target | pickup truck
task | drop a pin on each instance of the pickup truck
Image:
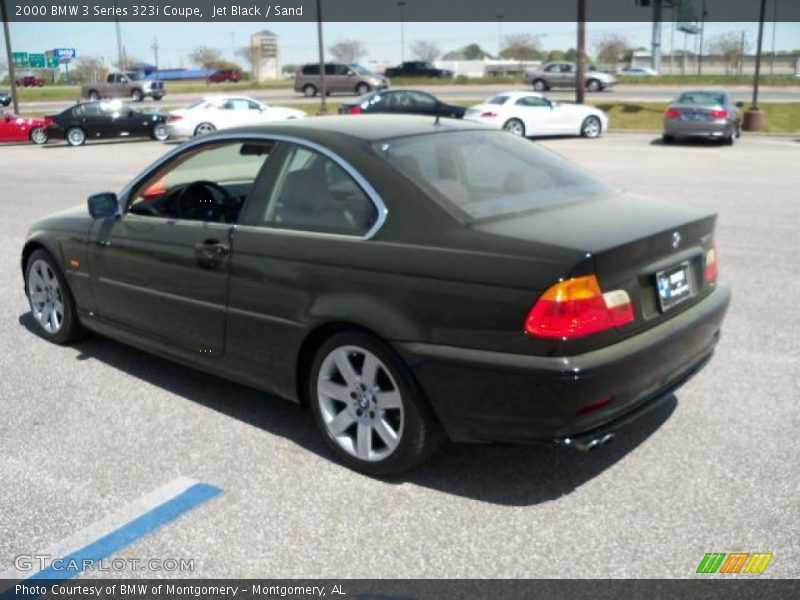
(417, 68)
(30, 81)
(565, 75)
(124, 85)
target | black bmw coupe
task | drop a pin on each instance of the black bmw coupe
(88, 121)
(408, 280)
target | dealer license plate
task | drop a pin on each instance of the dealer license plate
(674, 286)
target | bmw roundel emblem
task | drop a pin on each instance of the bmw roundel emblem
(676, 240)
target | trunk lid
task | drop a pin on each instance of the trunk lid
(627, 240)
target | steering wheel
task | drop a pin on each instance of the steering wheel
(215, 211)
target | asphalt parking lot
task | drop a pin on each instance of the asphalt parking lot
(88, 429)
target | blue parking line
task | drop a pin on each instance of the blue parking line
(127, 534)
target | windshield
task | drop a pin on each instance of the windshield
(702, 98)
(134, 76)
(489, 174)
(360, 69)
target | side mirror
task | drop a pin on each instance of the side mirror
(103, 205)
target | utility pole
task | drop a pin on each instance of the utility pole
(703, 14)
(655, 59)
(323, 107)
(120, 63)
(754, 119)
(580, 81)
(10, 57)
(402, 33)
(499, 35)
(155, 50)
(774, 26)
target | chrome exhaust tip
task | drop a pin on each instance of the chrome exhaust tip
(586, 445)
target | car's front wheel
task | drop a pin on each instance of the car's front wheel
(591, 127)
(515, 126)
(368, 406)
(539, 85)
(52, 305)
(93, 96)
(593, 85)
(39, 136)
(136, 95)
(362, 88)
(76, 136)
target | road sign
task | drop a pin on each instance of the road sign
(52, 62)
(20, 59)
(36, 61)
(269, 47)
(65, 54)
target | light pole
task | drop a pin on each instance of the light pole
(580, 83)
(10, 57)
(499, 35)
(323, 107)
(120, 58)
(402, 33)
(703, 15)
(774, 26)
(754, 119)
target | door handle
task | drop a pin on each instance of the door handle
(210, 253)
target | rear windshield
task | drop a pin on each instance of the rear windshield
(489, 174)
(702, 98)
(498, 100)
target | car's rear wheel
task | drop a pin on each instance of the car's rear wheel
(591, 127)
(39, 136)
(362, 88)
(667, 139)
(729, 140)
(309, 91)
(160, 132)
(515, 126)
(51, 302)
(539, 85)
(136, 95)
(368, 406)
(204, 129)
(93, 95)
(76, 136)
(594, 85)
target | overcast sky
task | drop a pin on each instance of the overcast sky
(382, 40)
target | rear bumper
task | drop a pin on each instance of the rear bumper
(482, 396)
(713, 129)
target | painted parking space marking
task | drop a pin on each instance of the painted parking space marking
(113, 533)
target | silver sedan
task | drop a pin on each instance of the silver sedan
(702, 114)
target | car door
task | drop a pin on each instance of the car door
(536, 113)
(160, 269)
(569, 75)
(421, 103)
(91, 119)
(308, 210)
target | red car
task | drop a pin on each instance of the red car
(227, 75)
(18, 129)
(30, 81)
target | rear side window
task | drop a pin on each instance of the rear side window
(311, 70)
(498, 100)
(311, 192)
(489, 174)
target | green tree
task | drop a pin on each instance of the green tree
(206, 57)
(523, 46)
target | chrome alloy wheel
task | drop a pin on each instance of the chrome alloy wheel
(360, 403)
(591, 127)
(515, 126)
(46, 298)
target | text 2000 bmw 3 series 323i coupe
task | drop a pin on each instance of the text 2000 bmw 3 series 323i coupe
(407, 280)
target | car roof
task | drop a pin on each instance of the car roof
(518, 94)
(369, 128)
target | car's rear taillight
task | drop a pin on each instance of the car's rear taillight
(718, 114)
(488, 113)
(711, 265)
(672, 113)
(354, 110)
(175, 117)
(577, 307)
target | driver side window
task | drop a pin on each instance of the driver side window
(209, 183)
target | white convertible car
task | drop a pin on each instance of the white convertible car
(531, 114)
(222, 112)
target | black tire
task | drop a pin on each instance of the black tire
(591, 127)
(540, 85)
(594, 85)
(309, 90)
(71, 328)
(515, 127)
(137, 95)
(204, 128)
(76, 136)
(420, 435)
(160, 133)
(729, 140)
(93, 96)
(158, 97)
(38, 136)
(363, 88)
(667, 139)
